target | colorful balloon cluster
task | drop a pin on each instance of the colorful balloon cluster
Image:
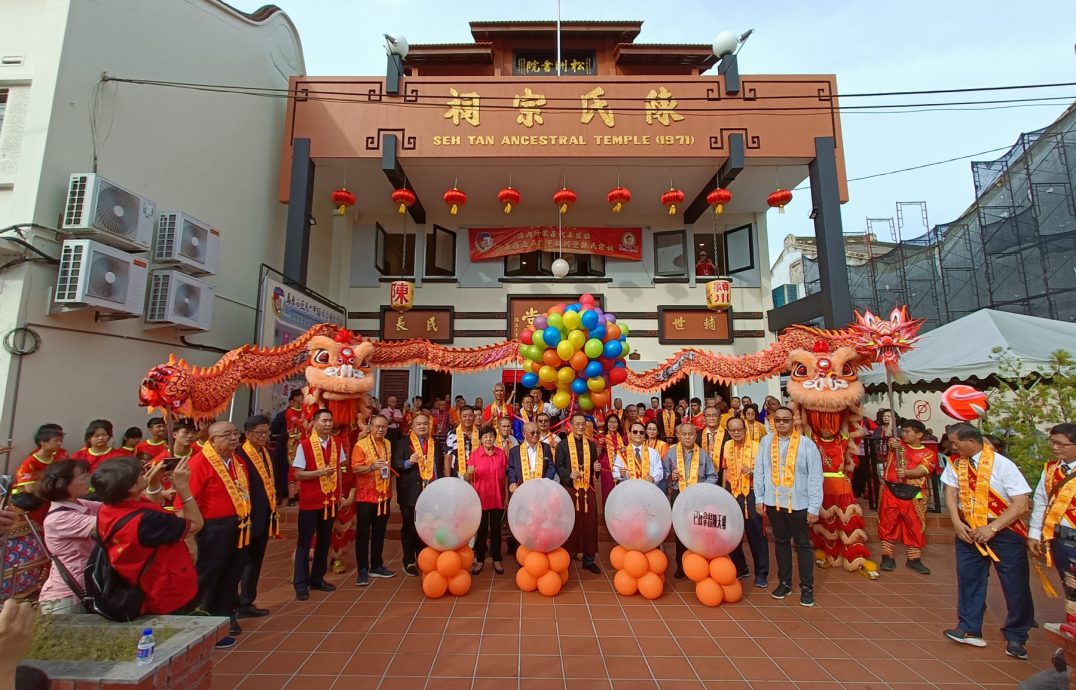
(638, 572)
(715, 578)
(445, 571)
(545, 572)
(575, 349)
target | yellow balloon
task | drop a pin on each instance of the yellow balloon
(547, 374)
(577, 338)
(566, 375)
(561, 399)
(565, 349)
(596, 384)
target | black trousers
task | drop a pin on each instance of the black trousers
(219, 566)
(489, 529)
(409, 538)
(756, 539)
(789, 527)
(370, 535)
(312, 523)
(252, 570)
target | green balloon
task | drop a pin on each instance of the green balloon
(538, 340)
(523, 350)
(624, 330)
(535, 353)
(585, 403)
(441, 535)
(593, 348)
(624, 349)
(555, 320)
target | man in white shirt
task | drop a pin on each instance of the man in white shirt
(988, 526)
(637, 460)
(1055, 507)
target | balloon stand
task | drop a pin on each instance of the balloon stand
(638, 572)
(545, 572)
(445, 572)
(715, 579)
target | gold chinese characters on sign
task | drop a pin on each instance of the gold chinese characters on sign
(427, 323)
(694, 325)
(543, 63)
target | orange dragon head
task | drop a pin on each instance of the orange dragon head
(339, 367)
(167, 387)
(826, 385)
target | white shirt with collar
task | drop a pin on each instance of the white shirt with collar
(299, 462)
(656, 471)
(1038, 510)
(1005, 478)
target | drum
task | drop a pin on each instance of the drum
(25, 562)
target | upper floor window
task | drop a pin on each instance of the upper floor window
(395, 252)
(540, 264)
(670, 252)
(725, 254)
(3, 107)
(440, 252)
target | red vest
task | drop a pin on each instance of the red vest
(170, 581)
(310, 494)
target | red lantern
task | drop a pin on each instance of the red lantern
(564, 198)
(671, 198)
(509, 196)
(342, 199)
(718, 198)
(455, 198)
(779, 199)
(404, 197)
(618, 196)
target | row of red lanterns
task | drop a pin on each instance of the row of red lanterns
(509, 197)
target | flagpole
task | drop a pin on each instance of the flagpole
(558, 38)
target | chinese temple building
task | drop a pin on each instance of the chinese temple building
(469, 170)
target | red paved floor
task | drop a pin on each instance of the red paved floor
(861, 634)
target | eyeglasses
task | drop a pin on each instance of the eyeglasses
(1060, 444)
(531, 433)
(227, 434)
(782, 420)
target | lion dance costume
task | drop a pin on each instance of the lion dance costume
(826, 395)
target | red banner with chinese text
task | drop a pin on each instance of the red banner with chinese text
(618, 243)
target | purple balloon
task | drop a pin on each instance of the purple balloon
(599, 310)
(540, 323)
(610, 318)
(601, 320)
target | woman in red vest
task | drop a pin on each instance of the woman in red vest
(136, 529)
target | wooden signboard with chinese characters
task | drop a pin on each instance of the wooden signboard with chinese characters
(534, 63)
(436, 324)
(522, 309)
(694, 326)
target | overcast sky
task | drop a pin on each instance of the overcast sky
(870, 46)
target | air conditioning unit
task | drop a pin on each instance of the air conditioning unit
(99, 276)
(185, 241)
(107, 212)
(178, 299)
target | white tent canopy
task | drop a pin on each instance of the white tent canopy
(961, 350)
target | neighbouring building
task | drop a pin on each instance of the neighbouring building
(786, 274)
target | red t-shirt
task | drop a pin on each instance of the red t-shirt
(208, 490)
(366, 482)
(505, 410)
(31, 469)
(94, 460)
(170, 581)
(916, 457)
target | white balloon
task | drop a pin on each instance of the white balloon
(638, 515)
(560, 268)
(447, 513)
(708, 520)
(541, 515)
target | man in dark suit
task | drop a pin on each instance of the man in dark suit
(418, 461)
(531, 459)
(264, 495)
(579, 470)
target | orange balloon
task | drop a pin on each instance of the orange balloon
(460, 584)
(579, 361)
(526, 581)
(651, 586)
(434, 585)
(612, 332)
(696, 567)
(599, 398)
(551, 358)
(537, 564)
(427, 559)
(559, 560)
(563, 577)
(625, 584)
(521, 554)
(557, 308)
(708, 591)
(448, 564)
(550, 584)
(733, 592)
(635, 564)
(658, 561)
(616, 557)
(723, 570)
(466, 556)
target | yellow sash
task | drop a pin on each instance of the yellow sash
(264, 466)
(328, 482)
(787, 477)
(238, 489)
(461, 448)
(685, 479)
(525, 463)
(582, 482)
(425, 462)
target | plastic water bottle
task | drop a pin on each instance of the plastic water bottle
(146, 645)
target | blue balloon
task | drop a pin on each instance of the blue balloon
(594, 368)
(551, 336)
(529, 380)
(590, 319)
(579, 386)
(598, 332)
(619, 364)
(573, 307)
(613, 349)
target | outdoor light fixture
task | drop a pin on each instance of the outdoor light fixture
(396, 45)
(813, 214)
(728, 43)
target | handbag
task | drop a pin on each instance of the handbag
(65, 574)
(904, 492)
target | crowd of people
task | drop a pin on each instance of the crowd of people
(189, 522)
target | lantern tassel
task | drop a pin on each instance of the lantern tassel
(403, 209)
(781, 209)
(617, 207)
(719, 210)
(672, 209)
(341, 210)
(563, 209)
(454, 209)
(507, 209)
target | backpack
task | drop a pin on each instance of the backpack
(107, 592)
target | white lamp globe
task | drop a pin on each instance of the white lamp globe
(725, 43)
(560, 268)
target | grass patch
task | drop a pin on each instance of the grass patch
(54, 641)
